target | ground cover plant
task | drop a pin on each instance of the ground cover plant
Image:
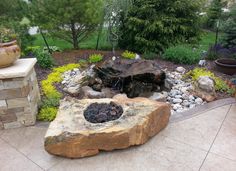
(128, 55)
(52, 96)
(94, 58)
(221, 85)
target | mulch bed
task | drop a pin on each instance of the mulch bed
(74, 56)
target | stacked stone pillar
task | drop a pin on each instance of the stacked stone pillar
(19, 94)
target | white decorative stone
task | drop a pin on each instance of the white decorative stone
(177, 101)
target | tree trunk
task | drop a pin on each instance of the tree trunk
(74, 36)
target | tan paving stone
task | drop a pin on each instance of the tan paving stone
(225, 143)
(216, 163)
(162, 154)
(198, 131)
(12, 160)
(29, 141)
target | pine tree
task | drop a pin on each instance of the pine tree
(214, 12)
(153, 25)
(230, 29)
(70, 20)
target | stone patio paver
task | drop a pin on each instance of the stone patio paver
(217, 163)
(30, 142)
(206, 142)
(225, 143)
(12, 160)
(198, 131)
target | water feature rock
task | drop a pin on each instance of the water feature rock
(132, 77)
(70, 135)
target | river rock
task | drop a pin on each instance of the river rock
(161, 97)
(70, 135)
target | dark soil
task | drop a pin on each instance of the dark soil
(103, 112)
(74, 56)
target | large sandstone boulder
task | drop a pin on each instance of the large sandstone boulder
(70, 135)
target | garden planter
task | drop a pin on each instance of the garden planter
(9, 53)
(226, 66)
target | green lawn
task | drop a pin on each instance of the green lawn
(208, 38)
(89, 43)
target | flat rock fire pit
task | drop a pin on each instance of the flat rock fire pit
(73, 135)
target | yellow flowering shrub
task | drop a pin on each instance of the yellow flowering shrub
(221, 85)
(52, 96)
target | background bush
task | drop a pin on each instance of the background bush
(128, 55)
(219, 51)
(229, 29)
(149, 55)
(182, 54)
(95, 58)
(44, 59)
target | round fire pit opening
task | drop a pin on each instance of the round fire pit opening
(103, 112)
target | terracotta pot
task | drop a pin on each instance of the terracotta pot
(226, 66)
(9, 53)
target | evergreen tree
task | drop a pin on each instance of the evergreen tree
(70, 20)
(153, 25)
(214, 12)
(230, 29)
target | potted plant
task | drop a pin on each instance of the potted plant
(9, 50)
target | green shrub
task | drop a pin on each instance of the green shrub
(221, 85)
(182, 54)
(44, 59)
(128, 55)
(52, 48)
(47, 114)
(229, 29)
(95, 58)
(52, 96)
(154, 25)
(31, 49)
(149, 55)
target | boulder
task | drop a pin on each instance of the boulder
(205, 88)
(132, 77)
(161, 97)
(88, 92)
(70, 135)
(206, 84)
(181, 70)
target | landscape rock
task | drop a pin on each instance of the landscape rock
(132, 77)
(206, 84)
(161, 97)
(181, 70)
(70, 135)
(205, 88)
(177, 101)
(73, 90)
(88, 92)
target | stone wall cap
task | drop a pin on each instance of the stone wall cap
(20, 68)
